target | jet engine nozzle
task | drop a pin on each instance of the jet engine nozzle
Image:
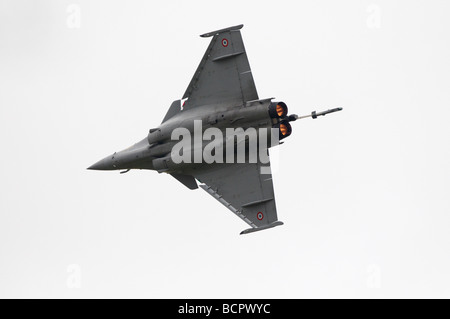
(278, 110)
(284, 129)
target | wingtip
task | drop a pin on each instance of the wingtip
(213, 33)
(255, 229)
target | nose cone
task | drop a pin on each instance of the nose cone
(106, 164)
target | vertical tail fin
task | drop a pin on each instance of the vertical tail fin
(174, 109)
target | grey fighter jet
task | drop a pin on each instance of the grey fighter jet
(221, 96)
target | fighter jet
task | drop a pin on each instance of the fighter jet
(220, 97)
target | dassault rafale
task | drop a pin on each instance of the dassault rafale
(221, 101)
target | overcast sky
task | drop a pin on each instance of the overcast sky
(364, 193)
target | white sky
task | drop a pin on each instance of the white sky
(364, 193)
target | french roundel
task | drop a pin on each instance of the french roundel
(260, 216)
(225, 42)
